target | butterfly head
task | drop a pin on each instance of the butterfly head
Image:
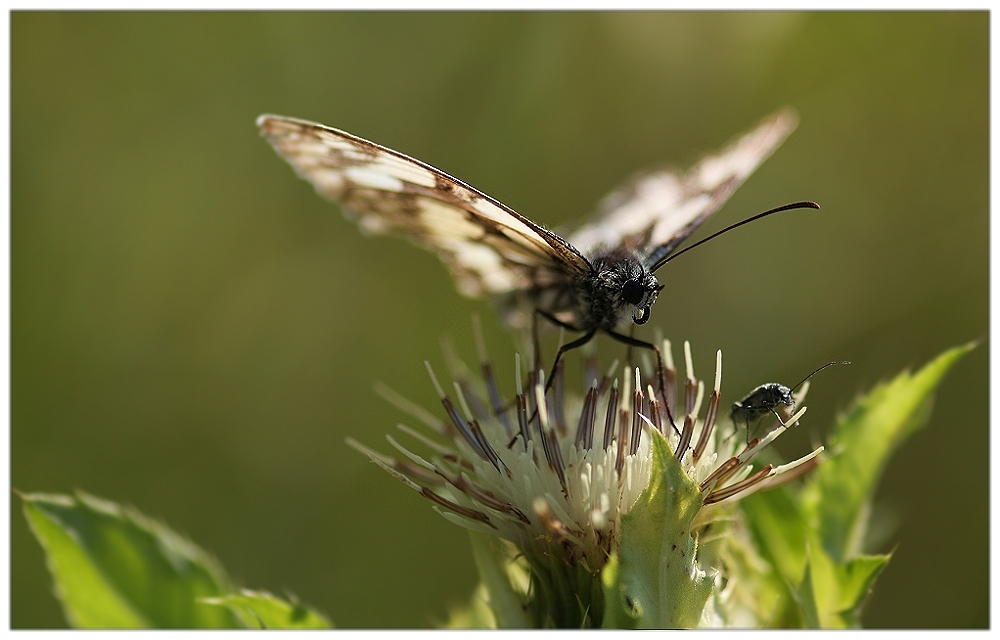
(641, 292)
(619, 284)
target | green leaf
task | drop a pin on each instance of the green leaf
(856, 579)
(654, 580)
(476, 614)
(778, 530)
(805, 598)
(778, 526)
(838, 496)
(839, 588)
(262, 610)
(115, 568)
(504, 600)
(760, 591)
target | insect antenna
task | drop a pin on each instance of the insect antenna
(829, 364)
(787, 207)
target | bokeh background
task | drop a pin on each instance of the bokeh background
(195, 332)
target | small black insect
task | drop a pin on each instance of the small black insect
(765, 398)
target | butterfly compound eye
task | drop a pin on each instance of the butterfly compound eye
(633, 292)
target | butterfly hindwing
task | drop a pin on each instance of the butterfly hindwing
(655, 212)
(489, 248)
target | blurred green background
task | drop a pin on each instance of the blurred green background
(195, 332)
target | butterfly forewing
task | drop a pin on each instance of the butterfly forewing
(489, 248)
(493, 251)
(655, 212)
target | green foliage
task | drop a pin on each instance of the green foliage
(654, 580)
(113, 567)
(262, 610)
(838, 496)
(838, 588)
(476, 614)
(505, 600)
(813, 537)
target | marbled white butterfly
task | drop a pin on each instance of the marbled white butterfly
(590, 281)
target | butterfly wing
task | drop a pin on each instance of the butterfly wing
(655, 212)
(489, 248)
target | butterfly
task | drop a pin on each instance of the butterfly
(592, 280)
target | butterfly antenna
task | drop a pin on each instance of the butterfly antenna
(829, 364)
(787, 207)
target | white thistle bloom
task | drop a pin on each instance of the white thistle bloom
(553, 473)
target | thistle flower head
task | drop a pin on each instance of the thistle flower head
(553, 472)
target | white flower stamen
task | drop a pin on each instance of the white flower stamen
(559, 495)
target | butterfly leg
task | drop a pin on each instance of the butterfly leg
(556, 321)
(534, 331)
(563, 349)
(572, 345)
(635, 342)
(579, 342)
